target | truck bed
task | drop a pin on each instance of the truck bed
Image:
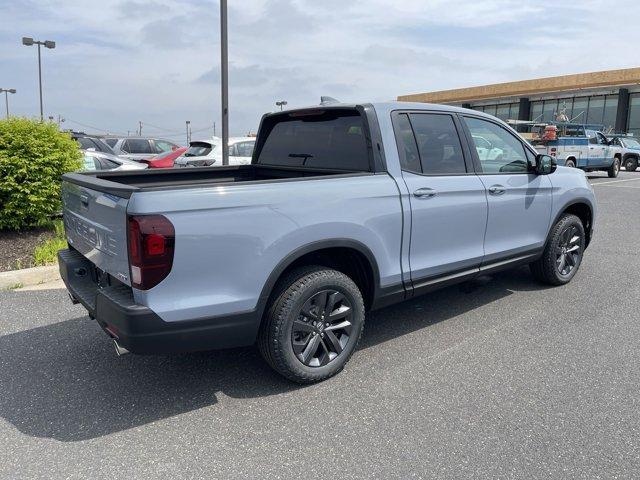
(123, 184)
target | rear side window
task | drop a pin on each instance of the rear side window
(134, 145)
(162, 146)
(407, 148)
(438, 144)
(332, 139)
(244, 149)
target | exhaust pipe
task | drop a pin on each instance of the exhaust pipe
(120, 350)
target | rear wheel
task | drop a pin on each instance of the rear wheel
(570, 163)
(562, 255)
(630, 164)
(313, 324)
(614, 169)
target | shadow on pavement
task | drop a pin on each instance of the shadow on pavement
(64, 381)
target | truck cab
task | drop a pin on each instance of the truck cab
(582, 146)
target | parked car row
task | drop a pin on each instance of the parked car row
(142, 152)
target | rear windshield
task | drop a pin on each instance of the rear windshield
(199, 149)
(332, 139)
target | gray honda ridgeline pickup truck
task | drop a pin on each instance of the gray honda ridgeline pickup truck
(343, 209)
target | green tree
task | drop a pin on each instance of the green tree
(33, 156)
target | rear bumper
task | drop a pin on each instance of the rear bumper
(138, 328)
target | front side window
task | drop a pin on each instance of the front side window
(136, 145)
(504, 152)
(591, 135)
(438, 144)
(111, 141)
(602, 140)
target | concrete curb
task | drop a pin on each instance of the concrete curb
(28, 276)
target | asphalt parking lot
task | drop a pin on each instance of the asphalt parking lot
(498, 378)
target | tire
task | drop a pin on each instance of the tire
(295, 337)
(630, 164)
(570, 163)
(614, 169)
(550, 268)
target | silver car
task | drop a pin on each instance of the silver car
(139, 148)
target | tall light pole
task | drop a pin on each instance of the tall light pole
(187, 125)
(28, 41)
(224, 73)
(6, 92)
(281, 104)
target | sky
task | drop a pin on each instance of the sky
(158, 61)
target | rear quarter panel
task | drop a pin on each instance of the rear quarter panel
(229, 239)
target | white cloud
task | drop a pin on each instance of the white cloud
(158, 60)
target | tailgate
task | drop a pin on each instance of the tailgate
(96, 226)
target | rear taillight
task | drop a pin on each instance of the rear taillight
(151, 246)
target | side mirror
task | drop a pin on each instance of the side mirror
(545, 164)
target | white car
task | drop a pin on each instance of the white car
(204, 153)
(93, 161)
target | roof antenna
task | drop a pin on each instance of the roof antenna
(328, 100)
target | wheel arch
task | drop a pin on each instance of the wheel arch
(582, 209)
(348, 256)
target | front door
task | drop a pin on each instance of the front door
(519, 200)
(596, 150)
(448, 202)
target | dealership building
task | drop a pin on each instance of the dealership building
(610, 98)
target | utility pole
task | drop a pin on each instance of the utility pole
(224, 72)
(6, 92)
(187, 124)
(140, 128)
(28, 41)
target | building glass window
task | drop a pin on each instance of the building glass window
(564, 106)
(490, 109)
(503, 112)
(595, 112)
(610, 111)
(579, 112)
(514, 111)
(549, 109)
(536, 111)
(634, 114)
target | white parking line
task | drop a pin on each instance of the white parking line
(616, 181)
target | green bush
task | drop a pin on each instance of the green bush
(33, 155)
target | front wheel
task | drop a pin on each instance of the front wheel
(614, 169)
(562, 255)
(313, 324)
(630, 164)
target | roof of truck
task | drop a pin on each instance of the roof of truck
(388, 107)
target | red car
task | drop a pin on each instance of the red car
(165, 160)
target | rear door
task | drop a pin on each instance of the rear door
(96, 226)
(448, 202)
(519, 200)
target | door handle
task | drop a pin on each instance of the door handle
(84, 199)
(497, 189)
(424, 192)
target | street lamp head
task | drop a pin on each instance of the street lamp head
(12, 90)
(28, 41)
(49, 44)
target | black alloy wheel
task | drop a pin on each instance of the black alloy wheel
(569, 250)
(322, 329)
